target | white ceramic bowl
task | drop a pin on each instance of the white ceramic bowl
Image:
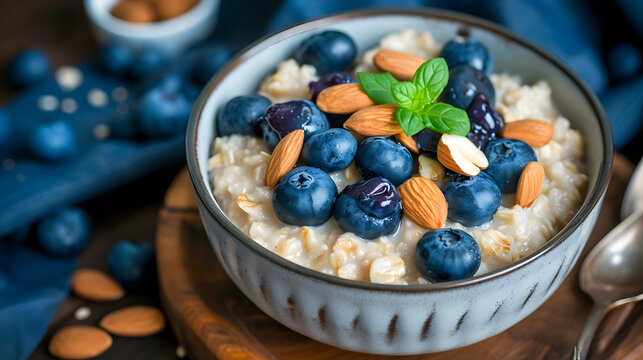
(393, 319)
(172, 36)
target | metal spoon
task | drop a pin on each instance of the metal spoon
(612, 273)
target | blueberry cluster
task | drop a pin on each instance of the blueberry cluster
(371, 207)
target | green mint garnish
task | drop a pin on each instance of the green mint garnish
(416, 99)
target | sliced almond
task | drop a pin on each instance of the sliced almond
(343, 99)
(377, 120)
(423, 202)
(459, 154)
(529, 184)
(400, 64)
(284, 157)
(134, 321)
(534, 132)
(408, 142)
(95, 285)
(79, 342)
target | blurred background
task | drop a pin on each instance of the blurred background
(82, 159)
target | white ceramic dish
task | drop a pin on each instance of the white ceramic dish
(171, 36)
(392, 319)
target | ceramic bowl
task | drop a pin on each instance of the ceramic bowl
(172, 36)
(393, 319)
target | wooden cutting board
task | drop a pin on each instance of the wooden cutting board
(213, 320)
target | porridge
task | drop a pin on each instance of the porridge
(523, 218)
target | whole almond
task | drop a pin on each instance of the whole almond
(534, 132)
(401, 65)
(408, 142)
(134, 321)
(343, 99)
(459, 154)
(95, 285)
(529, 184)
(423, 202)
(79, 342)
(284, 157)
(377, 120)
(134, 11)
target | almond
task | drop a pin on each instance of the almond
(529, 184)
(459, 154)
(423, 202)
(284, 157)
(378, 120)
(343, 99)
(95, 285)
(408, 142)
(401, 65)
(134, 321)
(79, 342)
(534, 132)
(134, 11)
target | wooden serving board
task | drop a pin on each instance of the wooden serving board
(212, 319)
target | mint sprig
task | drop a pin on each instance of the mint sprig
(417, 99)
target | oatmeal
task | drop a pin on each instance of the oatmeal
(238, 166)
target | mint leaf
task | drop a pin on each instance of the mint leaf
(446, 119)
(410, 122)
(404, 93)
(432, 75)
(378, 86)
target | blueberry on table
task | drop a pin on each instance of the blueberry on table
(328, 51)
(131, 263)
(149, 62)
(280, 119)
(467, 51)
(507, 158)
(380, 156)
(447, 255)
(330, 150)
(304, 196)
(65, 232)
(427, 142)
(486, 122)
(28, 67)
(208, 61)
(163, 113)
(464, 84)
(369, 208)
(326, 81)
(116, 59)
(473, 200)
(53, 141)
(241, 115)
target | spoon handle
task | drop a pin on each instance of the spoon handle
(585, 339)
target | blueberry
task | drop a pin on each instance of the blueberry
(486, 122)
(330, 150)
(116, 59)
(163, 113)
(304, 196)
(427, 142)
(53, 141)
(208, 61)
(369, 208)
(380, 156)
(281, 119)
(242, 114)
(328, 51)
(473, 200)
(326, 81)
(150, 61)
(28, 67)
(64, 233)
(467, 51)
(464, 84)
(131, 263)
(507, 158)
(446, 255)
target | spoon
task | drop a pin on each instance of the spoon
(612, 273)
